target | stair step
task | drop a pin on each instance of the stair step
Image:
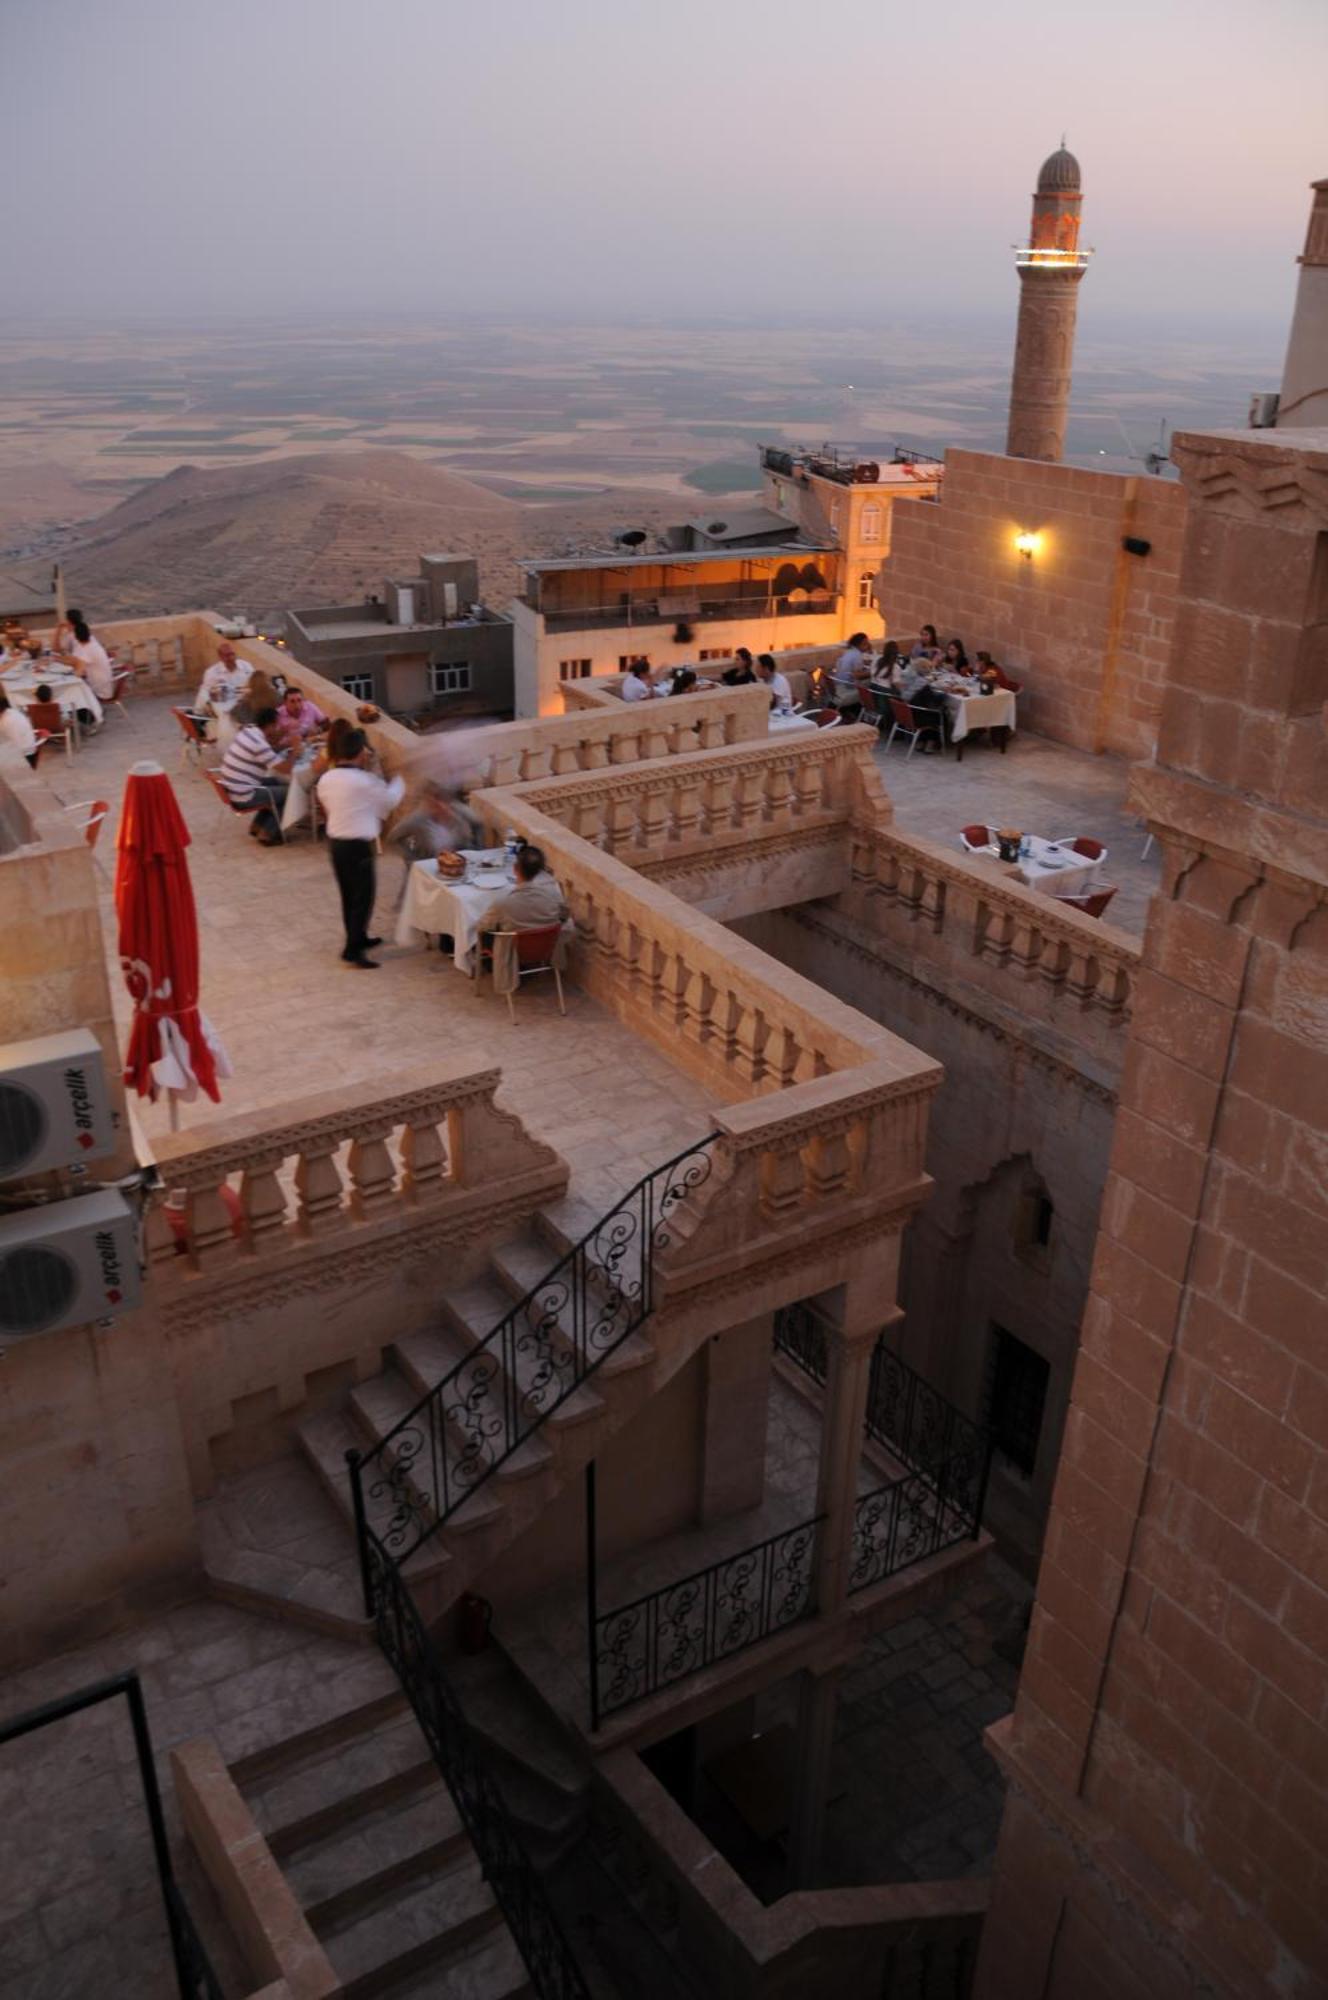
(525, 1261)
(310, 1797)
(325, 1597)
(426, 1358)
(405, 1932)
(319, 1737)
(383, 1402)
(359, 1864)
(326, 1437)
(491, 1969)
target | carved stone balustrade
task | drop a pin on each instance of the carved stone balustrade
(608, 733)
(254, 1192)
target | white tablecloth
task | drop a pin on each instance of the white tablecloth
(980, 711)
(790, 725)
(1056, 870)
(435, 907)
(73, 694)
(299, 799)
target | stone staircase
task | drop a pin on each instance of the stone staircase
(297, 1557)
(364, 1828)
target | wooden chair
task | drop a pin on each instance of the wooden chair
(1092, 901)
(915, 723)
(535, 952)
(268, 803)
(975, 839)
(193, 728)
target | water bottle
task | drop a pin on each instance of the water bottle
(511, 846)
(1024, 848)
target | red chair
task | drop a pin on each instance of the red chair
(49, 721)
(976, 839)
(193, 728)
(535, 952)
(1091, 902)
(96, 810)
(915, 723)
(825, 718)
(122, 683)
(1091, 850)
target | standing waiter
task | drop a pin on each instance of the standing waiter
(355, 802)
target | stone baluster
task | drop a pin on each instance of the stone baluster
(653, 962)
(779, 804)
(720, 1030)
(656, 743)
(751, 797)
(887, 875)
(373, 1173)
(749, 1043)
(424, 1158)
(713, 732)
(930, 907)
(1054, 962)
(595, 754)
(783, 1180)
(717, 810)
(993, 938)
(675, 979)
(687, 812)
(211, 1242)
(783, 1053)
(263, 1200)
(830, 1168)
(620, 818)
(807, 786)
(159, 1237)
(588, 821)
(318, 1184)
(1112, 993)
(1025, 945)
(653, 823)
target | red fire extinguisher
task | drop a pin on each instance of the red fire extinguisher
(474, 1616)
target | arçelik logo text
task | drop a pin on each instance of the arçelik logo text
(80, 1103)
(110, 1265)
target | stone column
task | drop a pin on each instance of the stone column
(735, 1408)
(818, 1695)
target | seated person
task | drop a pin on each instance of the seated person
(781, 694)
(86, 656)
(740, 674)
(16, 732)
(535, 901)
(926, 646)
(224, 682)
(298, 717)
(991, 676)
(439, 824)
(46, 713)
(636, 682)
(255, 773)
(851, 674)
(956, 660)
(886, 671)
(685, 680)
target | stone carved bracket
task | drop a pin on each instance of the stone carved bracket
(1253, 475)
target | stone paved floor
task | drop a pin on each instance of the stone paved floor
(294, 1020)
(80, 1911)
(1039, 786)
(914, 1796)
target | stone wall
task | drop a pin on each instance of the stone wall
(1168, 1749)
(1085, 626)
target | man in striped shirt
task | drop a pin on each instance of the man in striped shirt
(256, 774)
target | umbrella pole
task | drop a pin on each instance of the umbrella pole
(173, 1110)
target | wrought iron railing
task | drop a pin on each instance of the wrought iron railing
(495, 1399)
(800, 1333)
(517, 1889)
(898, 1525)
(194, 1977)
(936, 1967)
(641, 1647)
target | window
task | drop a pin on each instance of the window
(1018, 1399)
(715, 653)
(573, 670)
(626, 660)
(451, 679)
(358, 685)
(1034, 1219)
(867, 590)
(869, 523)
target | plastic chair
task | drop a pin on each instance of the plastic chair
(193, 728)
(535, 951)
(268, 802)
(825, 718)
(122, 681)
(1091, 850)
(96, 810)
(915, 723)
(975, 839)
(52, 726)
(1092, 902)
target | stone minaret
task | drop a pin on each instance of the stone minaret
(1050, 267)
(1305, 377)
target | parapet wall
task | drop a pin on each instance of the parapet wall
(1084, 623)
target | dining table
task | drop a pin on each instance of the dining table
(300, 801)
(970, 709)
(1049, 865)
(77, 701)
(436, 905)
(790, 725)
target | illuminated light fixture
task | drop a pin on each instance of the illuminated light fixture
(1028, 542)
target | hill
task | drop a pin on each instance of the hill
(321, 528)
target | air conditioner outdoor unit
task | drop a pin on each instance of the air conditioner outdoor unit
(54, 1110)
(66, 1264)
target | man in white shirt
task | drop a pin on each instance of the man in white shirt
(86, 655)
(637, 684)
(16, 732)
(355, 802)
(851, 675)
(224, 682)
(781, 694)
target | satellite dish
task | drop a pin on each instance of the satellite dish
(632, 538)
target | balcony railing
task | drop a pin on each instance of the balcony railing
(900, 1524)
(647, 611)
(693, 1623)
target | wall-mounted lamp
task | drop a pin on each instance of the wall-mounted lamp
(1028, 543)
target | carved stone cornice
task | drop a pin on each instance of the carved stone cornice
(720, 857)
(1258, 475)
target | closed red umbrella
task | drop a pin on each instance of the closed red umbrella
(171, 1044)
